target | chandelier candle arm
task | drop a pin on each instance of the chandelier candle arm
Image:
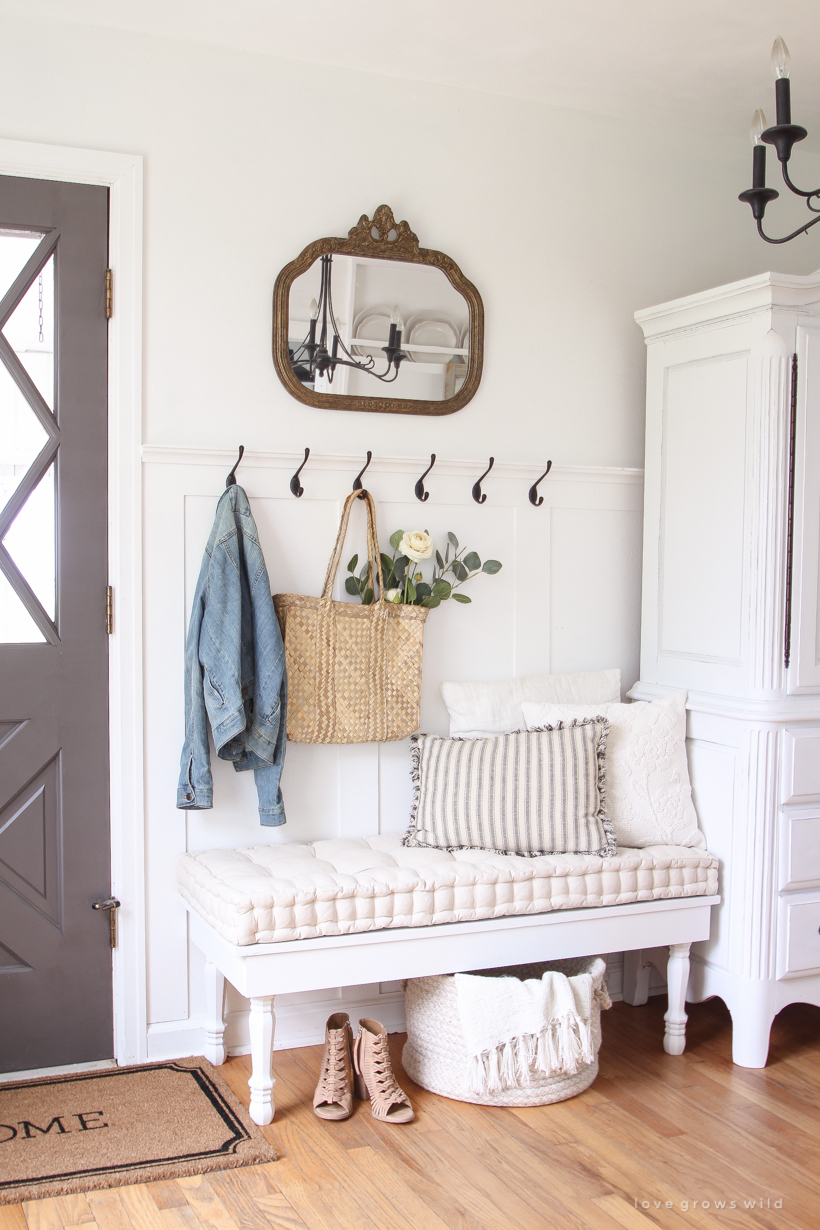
(783, 136)
(311, 358)
(782, 88)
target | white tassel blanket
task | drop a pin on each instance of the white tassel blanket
(515, 1029)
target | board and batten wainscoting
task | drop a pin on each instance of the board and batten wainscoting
(567, 598)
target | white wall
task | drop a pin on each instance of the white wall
(565, 222)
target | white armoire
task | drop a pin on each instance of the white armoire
(731, 612)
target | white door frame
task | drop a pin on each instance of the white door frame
(122, 175)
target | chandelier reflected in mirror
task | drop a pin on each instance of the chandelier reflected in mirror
(783, 136)
(312, 358)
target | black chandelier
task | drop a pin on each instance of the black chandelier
(311, 358)
(783, 136)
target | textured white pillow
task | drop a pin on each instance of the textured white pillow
(648, 795)
(478, 710)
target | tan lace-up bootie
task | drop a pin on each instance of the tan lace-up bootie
(374, 1075)
(333, 1098)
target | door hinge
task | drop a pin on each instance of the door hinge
(109, 294)
(109, 609)
(111, 904)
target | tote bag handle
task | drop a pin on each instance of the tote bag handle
(374, 555)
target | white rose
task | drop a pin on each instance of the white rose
(392, 595)
(416, 546)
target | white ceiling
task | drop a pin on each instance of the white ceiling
(697, 63)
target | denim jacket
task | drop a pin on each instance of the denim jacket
(234, 666)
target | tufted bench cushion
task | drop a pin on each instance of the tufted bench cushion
(268, 894)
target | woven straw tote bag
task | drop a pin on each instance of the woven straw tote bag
(354, 672)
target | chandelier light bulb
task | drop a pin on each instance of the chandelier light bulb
(758, 127)
(314, 309)
(780, 58)
(395, 315)
(399, 321)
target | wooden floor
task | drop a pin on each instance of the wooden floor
(652, 1129)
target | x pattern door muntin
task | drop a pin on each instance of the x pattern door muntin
(55, 960)
(48, 453)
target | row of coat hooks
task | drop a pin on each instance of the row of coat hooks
(478, 495)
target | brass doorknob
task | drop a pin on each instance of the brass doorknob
(112, 905)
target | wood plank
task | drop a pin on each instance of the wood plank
(43, 1214)
(239, 1191)
(141, 1206)
(202, 1198)
(109, 1210)
(279, 1213)
(166, 1194)
(73, 1209)
(12, 1217)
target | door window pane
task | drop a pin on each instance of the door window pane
(30, 332)
(16, 625)
(21, 436)
(15, 249)
(30, 541)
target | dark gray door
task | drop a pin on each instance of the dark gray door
(55, 956)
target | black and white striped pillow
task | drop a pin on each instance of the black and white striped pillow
(530, 792)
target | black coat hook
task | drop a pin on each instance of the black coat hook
(230, 481)
(477, 496)
(421, 494)
(357, 481)
(535, 498)
(294, 482)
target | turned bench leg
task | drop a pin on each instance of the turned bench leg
(262, 1027)
(677, 980)
(214, 1014)
(636, 978)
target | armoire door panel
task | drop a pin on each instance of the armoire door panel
(804, 672)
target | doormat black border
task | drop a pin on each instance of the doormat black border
(237, 1122)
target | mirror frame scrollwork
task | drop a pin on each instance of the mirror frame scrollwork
(384, 238)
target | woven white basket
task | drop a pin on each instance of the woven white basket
(436, 1058)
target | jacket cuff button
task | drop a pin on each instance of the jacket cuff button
(189, 797)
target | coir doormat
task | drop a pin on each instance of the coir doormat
(89, 1130)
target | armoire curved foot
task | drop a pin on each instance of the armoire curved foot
(750, 1036)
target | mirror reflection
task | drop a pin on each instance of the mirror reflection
(370, 327)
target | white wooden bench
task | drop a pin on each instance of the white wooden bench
(262, 970)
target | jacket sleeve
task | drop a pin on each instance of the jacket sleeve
(195, 789)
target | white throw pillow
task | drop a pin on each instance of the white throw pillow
(648, 794)
(478, 710)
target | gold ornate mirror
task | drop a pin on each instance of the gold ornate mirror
(374, 322)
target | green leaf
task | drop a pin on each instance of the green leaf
(491, 566)
(400, 568)
(459, 570)
(351, 566)
(363, 571)
(439, 560)
(423, 590)
(352, 587)
(461, 598)
(472, 562)
(387, 568)
(447, 554)
(431, 602)
(411, 592)
(367, 597)
(442, 589)
(396, 538)
(453, 539)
